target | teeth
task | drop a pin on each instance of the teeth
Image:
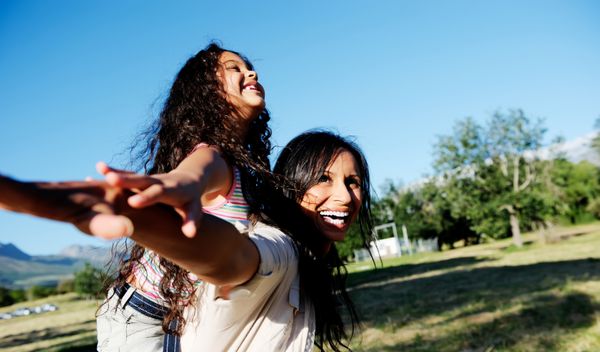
(339, 214)
(250, 87)
(334, 221)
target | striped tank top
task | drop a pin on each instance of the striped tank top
(233, 209)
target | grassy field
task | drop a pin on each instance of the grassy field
(490, 297)
(71, 328)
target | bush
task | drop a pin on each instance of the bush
(88, 281)
(65, 286)
(35, 292)
(18, 295)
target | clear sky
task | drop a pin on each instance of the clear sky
(78, 79)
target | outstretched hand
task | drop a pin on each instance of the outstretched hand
(180, 189)
(92, 206)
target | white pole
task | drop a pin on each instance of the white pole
(405, 233)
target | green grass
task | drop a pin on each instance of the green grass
(71, 328)
(490, 297)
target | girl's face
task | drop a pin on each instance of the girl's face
(241, 86)
(335, 200)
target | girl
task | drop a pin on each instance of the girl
(212, 137)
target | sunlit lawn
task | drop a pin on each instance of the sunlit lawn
(71, 328)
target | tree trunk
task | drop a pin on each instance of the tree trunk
(516, 231)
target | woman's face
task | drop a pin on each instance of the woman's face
(241, 86)
(335, 200)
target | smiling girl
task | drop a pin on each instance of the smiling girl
(210, 142)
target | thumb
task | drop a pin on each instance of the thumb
(193, 215)
(110, 227)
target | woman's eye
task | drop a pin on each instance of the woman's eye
(353, 183)
(233, 68)
(323, 178)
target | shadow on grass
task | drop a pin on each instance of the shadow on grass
(537, 327)
(404, 270)
(465, 294)
(83, 345)
(42, 334)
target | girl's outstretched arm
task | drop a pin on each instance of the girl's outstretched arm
(221, 255)
(197, 180)
(83, 204)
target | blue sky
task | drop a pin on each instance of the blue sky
(80, 78)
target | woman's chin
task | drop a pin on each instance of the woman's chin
(334, 235)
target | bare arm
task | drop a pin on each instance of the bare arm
(199, 179)
(219, 254)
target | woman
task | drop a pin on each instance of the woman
(276, 289)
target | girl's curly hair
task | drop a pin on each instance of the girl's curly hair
(196, 111)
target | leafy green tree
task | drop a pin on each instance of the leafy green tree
(493, 171)
(88, 281)
(579, 188)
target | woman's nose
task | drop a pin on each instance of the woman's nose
(342, 194)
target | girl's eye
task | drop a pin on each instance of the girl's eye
(233, 68)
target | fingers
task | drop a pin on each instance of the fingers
(111, 226)
(193, 214)
(106, 226)
(151, 195)
(103, 169)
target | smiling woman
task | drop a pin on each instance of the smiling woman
(335, 200)
(332, 180)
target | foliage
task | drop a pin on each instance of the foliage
(88, 281)
(36, 292)
(5, 298)
(65, 286)
(490, 182)
(493, 174)
(351, 242)
(18, 295)
(580, 188)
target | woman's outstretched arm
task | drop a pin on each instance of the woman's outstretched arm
(219, 254)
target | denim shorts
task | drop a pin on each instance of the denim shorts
(133, 323)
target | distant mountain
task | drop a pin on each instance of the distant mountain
(93, 254)
(19, 269)
(9, 250)
(575, 150)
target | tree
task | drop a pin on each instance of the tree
(88, 281)
(65, 286)
(579, 188)
(495, 170)
(36, 292)
(5, 298)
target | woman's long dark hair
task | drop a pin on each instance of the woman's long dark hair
(196, 111)
(323, 275)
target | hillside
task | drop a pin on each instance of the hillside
(19, 269)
